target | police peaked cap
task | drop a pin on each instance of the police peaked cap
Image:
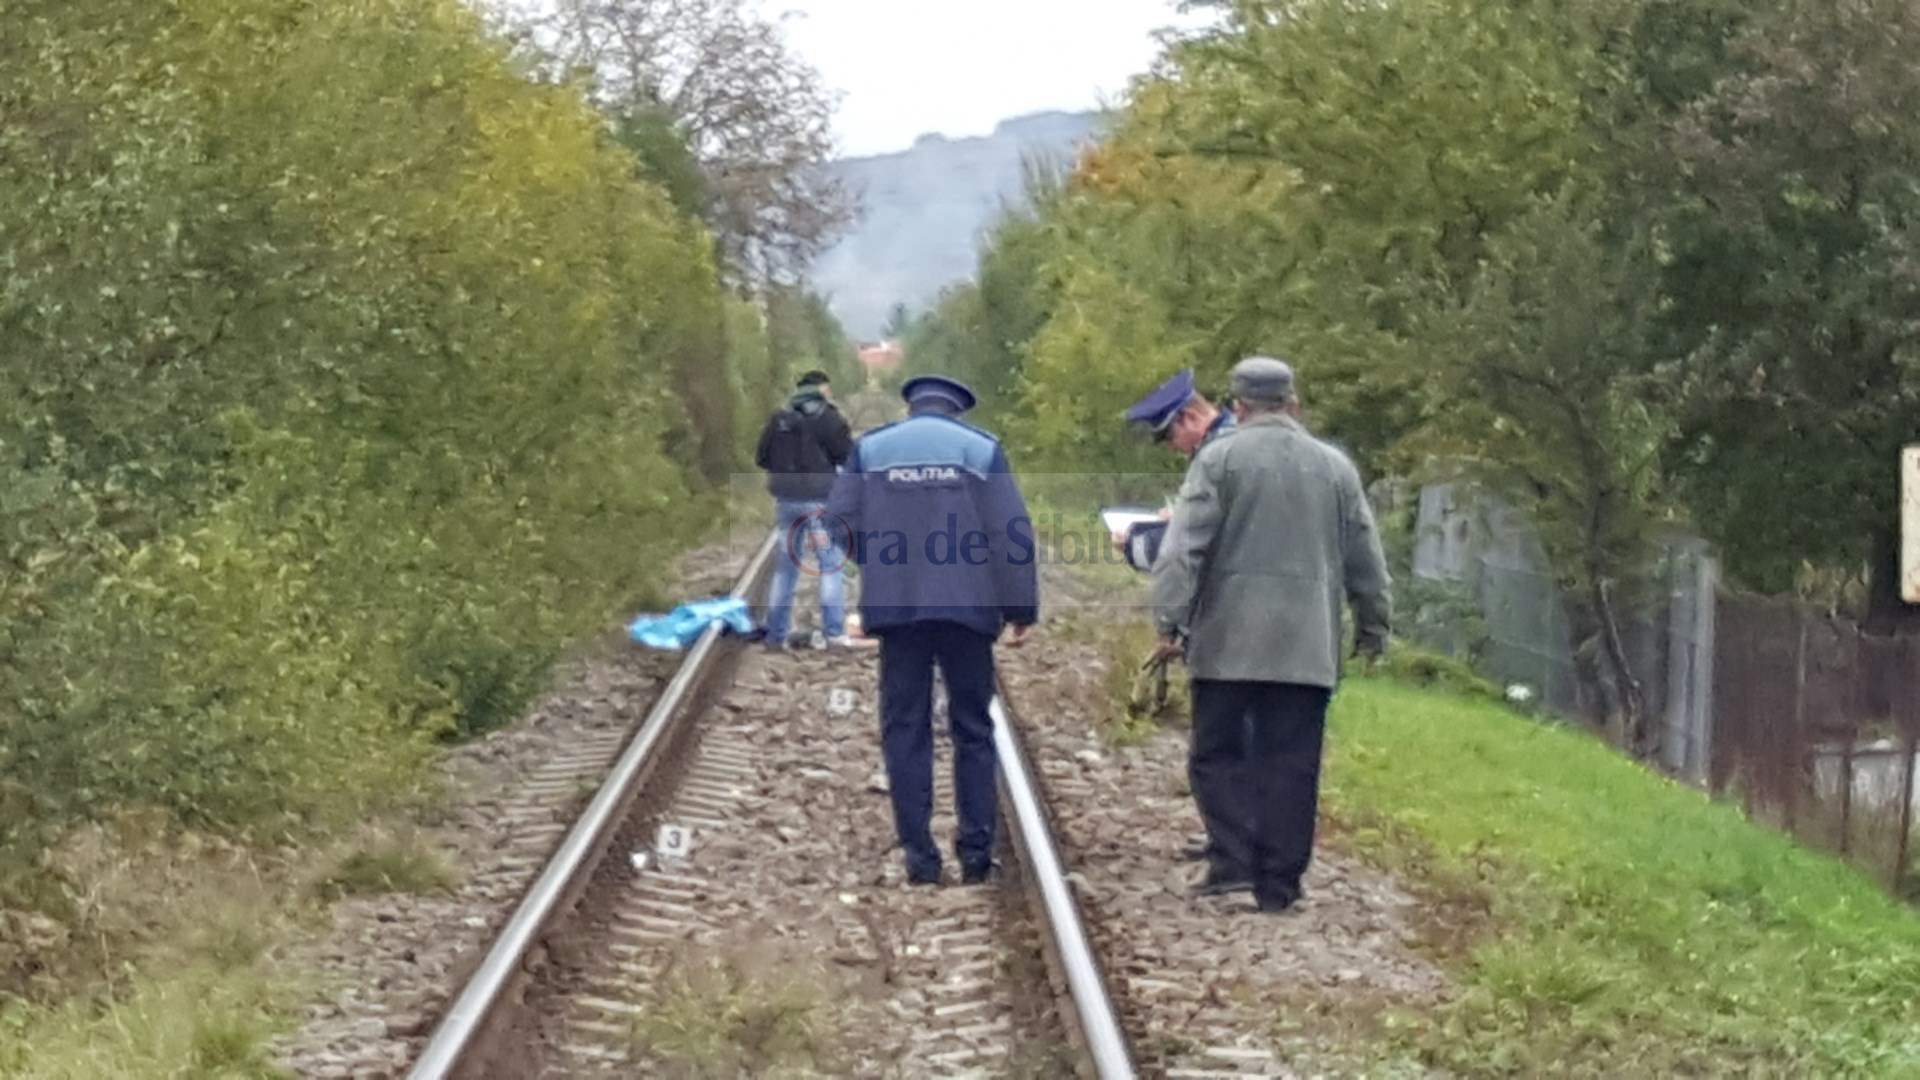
(939, 386)
(1158, 409)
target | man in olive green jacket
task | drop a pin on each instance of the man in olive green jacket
(1272, 529)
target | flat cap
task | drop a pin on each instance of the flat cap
(1263, 379)
(953, 391)
(1158, 408)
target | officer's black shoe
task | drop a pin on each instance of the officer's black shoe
(977, 875)
(923, 877)
(1275, 901)
(1217, 883)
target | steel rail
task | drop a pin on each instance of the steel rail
(466, 1019)
(1100, 1030)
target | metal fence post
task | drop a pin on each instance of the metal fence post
(1706, 648)
(1797, 735)
(1846, 796)
(1910, 721)
(1903, 849)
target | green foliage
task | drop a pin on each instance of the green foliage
(979, 331)
(759, 378)
(1305, 182)
(388, 865)
(193, 1024)
(185, 927)
(803, 333)
(1134, 707)
(1792, 192)
(1437, 613)
(1632, 926)
(1415, 666)
(770, 342)
(348, 376)
(721, 1016)
(664, 157)
(1545, 370)
(1632, 263)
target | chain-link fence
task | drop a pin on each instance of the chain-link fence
(1812, 725)
(1819, 729)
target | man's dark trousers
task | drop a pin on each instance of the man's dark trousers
(907, 656)
(1255, 769)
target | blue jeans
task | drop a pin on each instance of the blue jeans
(803, 538)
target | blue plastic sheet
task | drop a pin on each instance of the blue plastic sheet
(683, 626)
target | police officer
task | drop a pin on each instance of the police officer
(947, 559)
(1271, 529)
(1181, 417)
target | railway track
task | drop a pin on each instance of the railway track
(730, 890)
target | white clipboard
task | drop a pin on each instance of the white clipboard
(1121, 519)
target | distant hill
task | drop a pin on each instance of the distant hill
(925, 209)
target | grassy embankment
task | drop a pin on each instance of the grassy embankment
(1602, 920)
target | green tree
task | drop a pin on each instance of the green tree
(1795, 205)
(1542, 376)
(340, 363)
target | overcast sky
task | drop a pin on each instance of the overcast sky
(908, 67)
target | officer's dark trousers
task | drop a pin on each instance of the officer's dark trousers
(907, 657)
(1255, 770)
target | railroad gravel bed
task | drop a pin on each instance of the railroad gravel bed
(1207, 986)
(793, 945)
(390, 963)
(811, 883)
(387, 965)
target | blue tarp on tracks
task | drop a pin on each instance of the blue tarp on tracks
(683, 626)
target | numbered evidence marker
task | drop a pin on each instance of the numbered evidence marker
(673, 841)
(1910, 525)
(840, 701)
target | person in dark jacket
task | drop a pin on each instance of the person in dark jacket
(947, 560)
(801, 448)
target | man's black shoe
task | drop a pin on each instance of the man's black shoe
(923, 877)
(976, 875)
(1219, 884)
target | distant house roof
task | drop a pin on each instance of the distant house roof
(885, 356)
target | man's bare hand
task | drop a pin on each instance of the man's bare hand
(1168, 650)
(1019, 636)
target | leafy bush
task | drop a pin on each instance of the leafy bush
(1422, 667)
(343, 384)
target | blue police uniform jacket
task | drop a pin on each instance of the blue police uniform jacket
(931, 515)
